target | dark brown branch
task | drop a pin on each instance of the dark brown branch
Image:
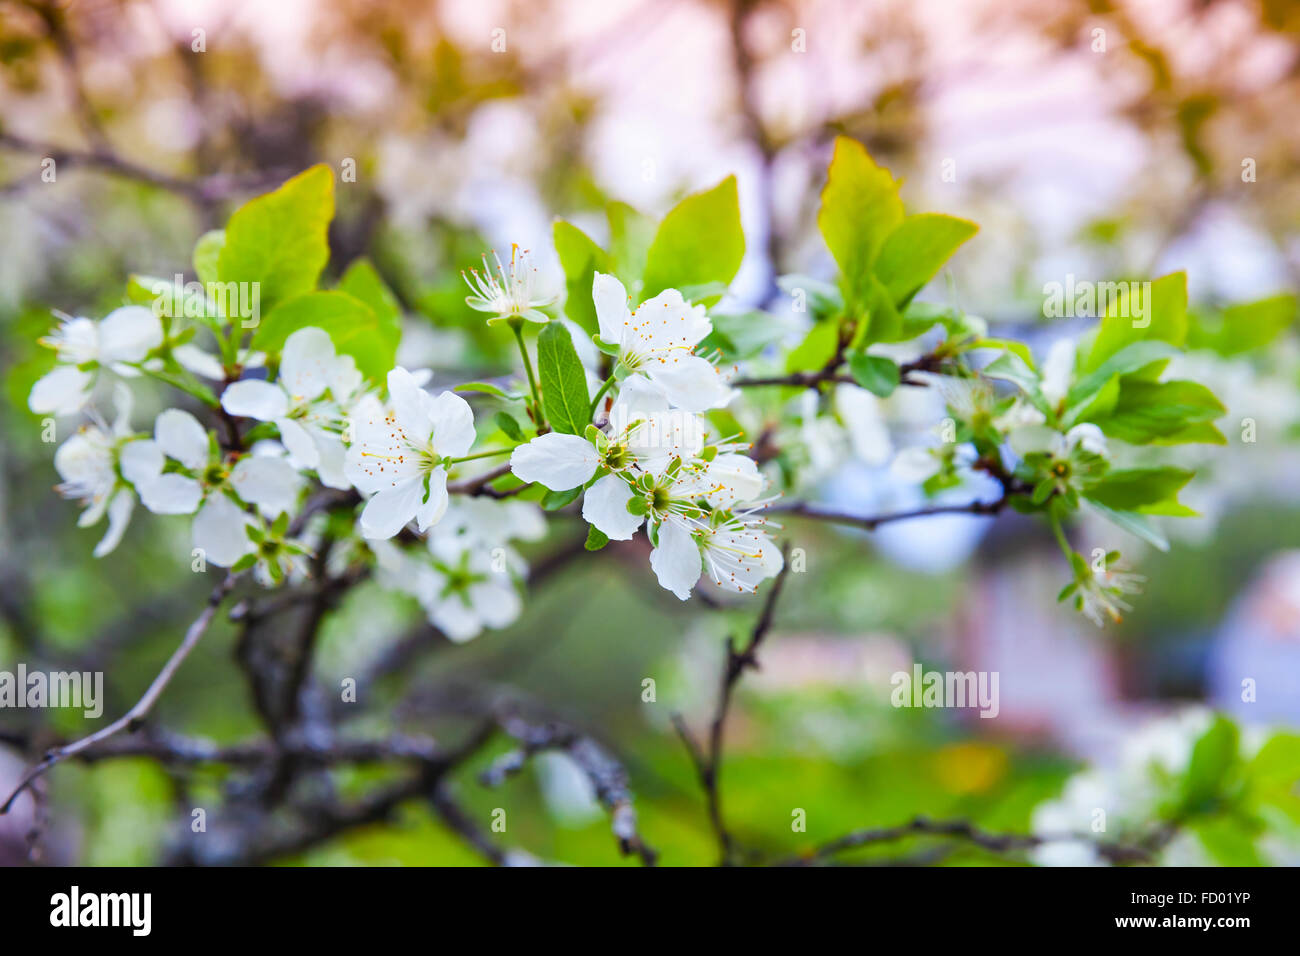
(831, 374)
(131, 720)
(607, 776)
(872, 522)
(962, 830)
(708, 763)
(203, 191)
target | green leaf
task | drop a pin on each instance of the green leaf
(362, 281)
(506, 422)
(581, 259)
(1204, 433)
(883, 323)
(351, 324)
(816, 350)
(821, 299)
(1147, 411)
(1213, 756)
(1134, 488)
(596, 539)
(699, 241)
(1100, 404)
(1130, 359)
(1243, 327)
(915, 251)
(183, 299)
(875, 373)
(742, 335)
(1275, 768)
(1229, 840)
(1010, 367)
(207, 254)
(630, 235)
(243, 564)
(1019, 349)
(555, 500)
(1134, 523)
(566, 400)
(860, 208)
(279, 240)
(489, 389)
(1165, 320)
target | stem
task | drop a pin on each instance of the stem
(599, 395)
(1060, 535)
(528, 367)
(482, 454)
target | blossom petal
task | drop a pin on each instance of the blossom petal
(612, 314)
(1058, 370)
(270, 483)
(389, 511)
(690, 383)
(731, 478)
(128, 334)
(453, 425)
(220, 531)
(604, 505)
(1032, 438)
(119, 516)
(251, 398)
(914, 464)
(331, 457)
(1088, 435)
(196, 360)
(62, 391)
(141, 461)
(432, 510)
(307, 363)
(378, 458)
(298, 442)
(676, 562)
(559, 462)
(669, 322)
(496, 602)
(408, 405)
(170, 494)
(458, 622)
(181, 437)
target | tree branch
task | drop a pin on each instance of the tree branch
(962, 830)
(708, 764)
(607, 777)
(133, 717)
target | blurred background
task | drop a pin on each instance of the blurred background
(1087, 138)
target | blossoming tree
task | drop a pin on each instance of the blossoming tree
(303, 455)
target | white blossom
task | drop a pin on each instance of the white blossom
(399, 454)
(307, 403)
(124, 336)
(507, 292)
(100, 465)
(658, 340)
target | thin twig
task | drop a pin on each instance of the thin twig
(962, 830)
(607, 776)
(133, 717)
(708, 762)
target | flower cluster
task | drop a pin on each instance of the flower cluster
(651, 462)
(467, 575)
(302, 431)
